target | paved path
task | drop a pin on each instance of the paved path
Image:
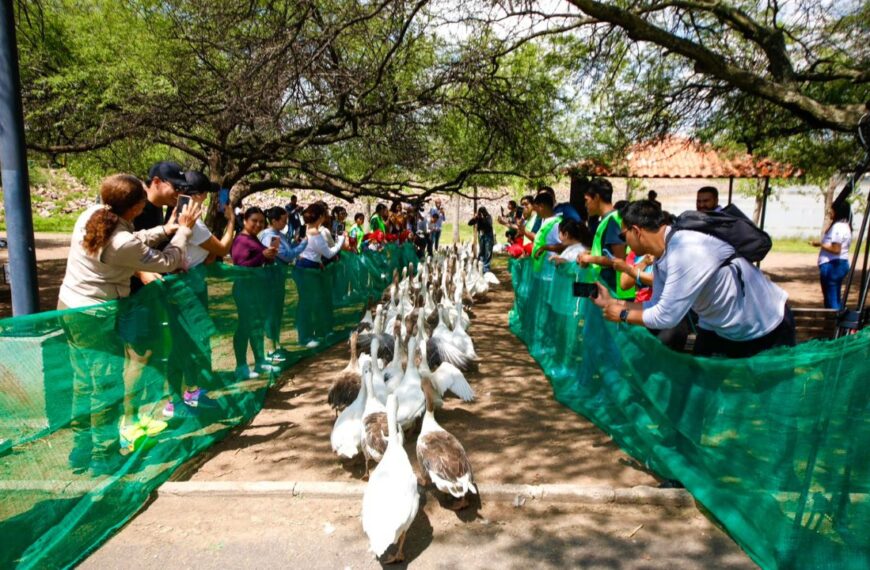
(514, 433)
(176, 532)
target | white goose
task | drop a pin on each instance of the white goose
(441, 457)
(446, 377)
(346, 436)
(391, 498)
(412, 402)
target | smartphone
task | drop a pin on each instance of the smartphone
(276, 241)
(223, 197)
(183, 201)
(589, 290)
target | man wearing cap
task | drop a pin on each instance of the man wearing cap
(165, 181)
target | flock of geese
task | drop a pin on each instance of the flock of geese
(404, 358)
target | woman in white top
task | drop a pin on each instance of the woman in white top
(314, 307)
(185, 371)
(834, 254)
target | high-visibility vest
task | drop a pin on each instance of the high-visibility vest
(376, 223)
(541, 241)
(357, 233)
(598, 251)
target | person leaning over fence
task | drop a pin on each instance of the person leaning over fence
(247, 251)
(576, 239)
(105, 251)
(608, 243)
(741, 313)
(274, 236)
(314, 308)
(834, 254)
(190, 358)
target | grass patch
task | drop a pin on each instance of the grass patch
(793, 245)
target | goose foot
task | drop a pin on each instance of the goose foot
(460, 504)
(399, 556)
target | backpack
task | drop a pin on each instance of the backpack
(731, 226)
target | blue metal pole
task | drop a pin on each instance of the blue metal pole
(13, 169)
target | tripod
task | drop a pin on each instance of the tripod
(848, 321)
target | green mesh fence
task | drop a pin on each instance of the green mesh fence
(774, 446)
(68, 377)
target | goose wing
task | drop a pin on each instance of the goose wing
(450, 378)
(438, 352)
(444, 459)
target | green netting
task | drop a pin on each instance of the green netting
(775, 446)
(66, 378)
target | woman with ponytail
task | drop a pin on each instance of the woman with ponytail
(105, 252)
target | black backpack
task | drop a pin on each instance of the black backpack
(731, 226)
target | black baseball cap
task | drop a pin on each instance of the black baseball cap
(197, 183)
(169, 172)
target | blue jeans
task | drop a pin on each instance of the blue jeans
(435, 236)
(831, 275)
(486, 243)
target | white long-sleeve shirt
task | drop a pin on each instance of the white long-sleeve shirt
(689, 276)
(318, 248)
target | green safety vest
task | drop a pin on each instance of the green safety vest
(541, 241)
(357, 233)
(376, 223)
(598, 250)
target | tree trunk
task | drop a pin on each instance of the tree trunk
(456, 200)
(214, 219)
(759, 201)
(833, 183)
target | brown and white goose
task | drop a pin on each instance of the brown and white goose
(442, 458)
(345, 386)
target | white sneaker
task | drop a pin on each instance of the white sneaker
(245, 373)
(312, 344)
(266, 368)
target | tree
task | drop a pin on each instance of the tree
(346, 97)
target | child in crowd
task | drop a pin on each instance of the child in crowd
(274, 236)
(576, 238)
(357, 231)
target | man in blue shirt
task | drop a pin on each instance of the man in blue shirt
(436, 217)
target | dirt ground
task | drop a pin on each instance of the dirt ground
(276, 532)
(514, 432)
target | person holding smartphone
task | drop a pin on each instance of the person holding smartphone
(274, 237)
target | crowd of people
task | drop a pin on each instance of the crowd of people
(650, 271)
(674, 278)
(142, 230)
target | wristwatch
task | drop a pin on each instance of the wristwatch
(623, 315)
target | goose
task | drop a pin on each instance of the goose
(394, 371)
(439, 350)
(441, 457)
(412, 403)
(346, 436)
(386, 341)
(380, 388)
(391, 498)
(460, 338)
(446, 378)
(374, 421)
(345, 386)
